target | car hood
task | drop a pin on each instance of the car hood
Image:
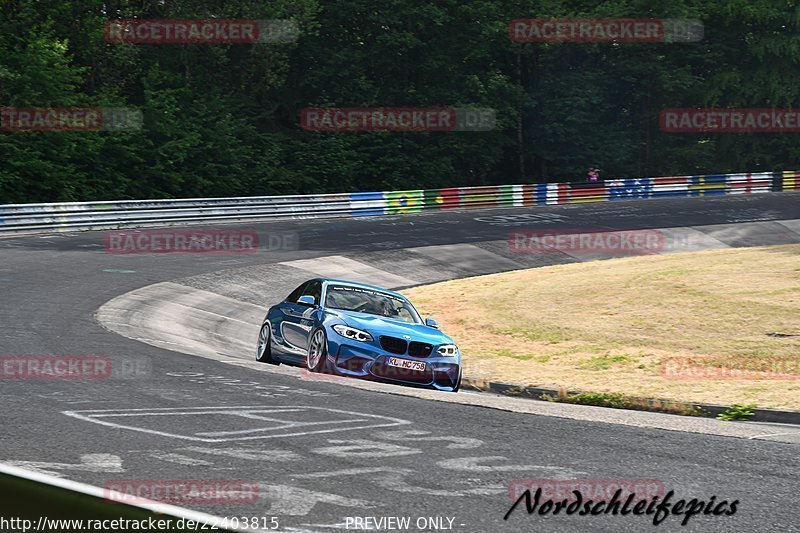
(377, 325)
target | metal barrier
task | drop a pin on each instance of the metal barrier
(34, 501)
(76, 216)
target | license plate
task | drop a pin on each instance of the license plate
(405, 363)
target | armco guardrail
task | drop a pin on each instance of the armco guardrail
(33, 501)
(76, 216)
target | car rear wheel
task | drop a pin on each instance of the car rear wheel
(264, 350)
(317, 358)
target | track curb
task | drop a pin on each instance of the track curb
(655, 404)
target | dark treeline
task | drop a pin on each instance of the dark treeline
(223, 119)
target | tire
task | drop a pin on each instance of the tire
(263, 348)
(317, 355)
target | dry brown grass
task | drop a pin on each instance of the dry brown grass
(607, 326)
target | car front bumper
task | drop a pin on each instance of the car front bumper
(441, 373)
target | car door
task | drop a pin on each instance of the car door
(298, 321)
(277, 315)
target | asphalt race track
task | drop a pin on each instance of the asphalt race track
(321, 451)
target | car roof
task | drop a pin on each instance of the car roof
(363, 285)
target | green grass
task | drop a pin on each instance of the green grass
(618, 400)
(604, 362)
(609, 325)
(505, 352)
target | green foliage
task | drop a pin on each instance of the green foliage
(223, 119)
(600, 399)
(618, 400)
(604, 362)
(738, 412)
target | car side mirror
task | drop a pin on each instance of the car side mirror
(431, 323)
(307, 300)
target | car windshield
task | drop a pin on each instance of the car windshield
(369, 301)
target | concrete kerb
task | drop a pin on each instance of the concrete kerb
(654, 404)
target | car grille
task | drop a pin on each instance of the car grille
(393, 344)
(419, 349)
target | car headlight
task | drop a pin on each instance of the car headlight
(352, 333)
(448, 350)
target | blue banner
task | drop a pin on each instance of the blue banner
(541, 193)
(629, 188)
(373, 198)
(711, 185)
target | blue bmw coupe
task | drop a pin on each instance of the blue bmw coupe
(358, 330)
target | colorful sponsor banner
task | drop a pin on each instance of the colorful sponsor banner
(447, 198)
(480, 196)
(393, 202)
(541, 194)
(587, 192)
(528, 195)
(367, 204)
(749, 183)
(488, 196)
(451, 197)
(713, 185)
(671, 186)
(403, 202)
(507, 196)
(791, 180)
(629, 188)
(558, 193)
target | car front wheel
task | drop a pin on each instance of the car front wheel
(317, 358)
(264, 350)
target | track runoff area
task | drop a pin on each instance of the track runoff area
(222, 436)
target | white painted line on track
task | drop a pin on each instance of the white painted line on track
(341, 420)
